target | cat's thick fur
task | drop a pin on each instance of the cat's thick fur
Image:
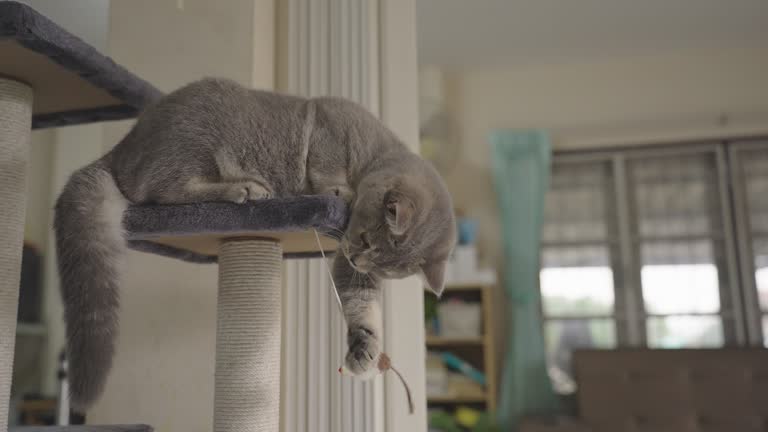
(214, 140)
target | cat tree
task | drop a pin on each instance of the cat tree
(50, 78)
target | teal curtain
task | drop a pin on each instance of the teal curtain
(521, 161)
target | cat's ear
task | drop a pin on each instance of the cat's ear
(399, 212)
(434, 276)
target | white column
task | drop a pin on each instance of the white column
(15, 125)
(404, 300)
(363, 50)
(325, 47)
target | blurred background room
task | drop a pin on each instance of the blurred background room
(653, 223)
(608, 161)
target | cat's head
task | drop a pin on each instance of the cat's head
(402, 224)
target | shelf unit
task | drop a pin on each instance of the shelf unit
(482, 348)
(436, 341)
(457, 399)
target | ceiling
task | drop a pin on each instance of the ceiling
(466, 33)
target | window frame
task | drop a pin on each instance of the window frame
(733, 256)
(744, 233)
(609, 243)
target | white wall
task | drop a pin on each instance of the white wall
(30, 350)
(86, 19)
(632, 100)
(38, 189)
(163, 372)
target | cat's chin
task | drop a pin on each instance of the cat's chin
(388, 274)
(362, 265)
(358, 268)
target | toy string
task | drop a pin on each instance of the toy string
(328, 268)
(385, 363)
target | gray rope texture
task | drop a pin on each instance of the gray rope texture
(247, 390)
(15, 124)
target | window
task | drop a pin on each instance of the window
(577, 277)
(640, 248)
(676, 230)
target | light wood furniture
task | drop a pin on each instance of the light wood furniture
(480, 351)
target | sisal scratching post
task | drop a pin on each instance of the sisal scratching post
(247, 391)
(15, 124)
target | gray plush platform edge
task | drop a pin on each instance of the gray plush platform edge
(327, 214)
(84, 428)
(39, 34)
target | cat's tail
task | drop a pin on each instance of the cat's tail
(89, 246)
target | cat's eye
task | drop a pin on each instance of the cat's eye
(364, 240)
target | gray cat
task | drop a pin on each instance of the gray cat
(214, 140)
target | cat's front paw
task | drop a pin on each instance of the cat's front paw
(247, 191)
(364, 349)
(342, 191)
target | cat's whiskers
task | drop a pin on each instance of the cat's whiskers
(337, 233)
(359, 278)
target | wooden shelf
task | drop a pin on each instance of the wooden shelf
(479, 351)
(437, 341)
(456, 399)
(465, 287)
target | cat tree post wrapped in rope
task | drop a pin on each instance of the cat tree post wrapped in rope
(15, 121)
(247, 384)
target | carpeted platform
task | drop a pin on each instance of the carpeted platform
(192, 232)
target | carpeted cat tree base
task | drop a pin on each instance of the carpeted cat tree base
(72, 83)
